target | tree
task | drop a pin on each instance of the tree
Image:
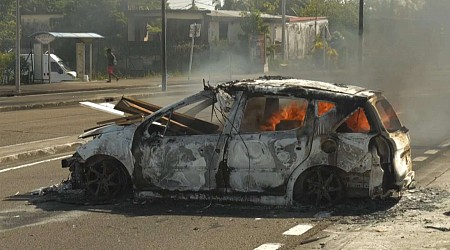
(7, 25)
(252, 23)
(342, 15)
(265, 6)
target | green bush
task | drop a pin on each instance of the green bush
(6, 61)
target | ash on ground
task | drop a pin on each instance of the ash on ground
(408, 203)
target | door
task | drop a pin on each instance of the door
(272, 140)
(182, 162)
(179, 148)
(354, 135)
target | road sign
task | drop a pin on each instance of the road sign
(45, 38)
(194, 30)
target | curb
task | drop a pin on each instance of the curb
(57, 149)
(75, 102)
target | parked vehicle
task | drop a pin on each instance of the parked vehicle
(271, 141)
(59, 70)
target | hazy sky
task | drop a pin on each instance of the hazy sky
(184, 4)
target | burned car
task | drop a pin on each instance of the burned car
(272, 140)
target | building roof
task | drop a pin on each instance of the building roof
(305, 19)
(236, 13)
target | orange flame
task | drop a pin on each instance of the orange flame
(358, 122)
(292, 112)
(324, 107)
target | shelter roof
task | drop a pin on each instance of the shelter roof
(71, 35)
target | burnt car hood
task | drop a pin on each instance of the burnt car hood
(101, 130)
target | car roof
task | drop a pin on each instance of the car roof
(299, 87)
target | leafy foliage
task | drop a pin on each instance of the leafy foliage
(7, 25)
(340, 14)
(252, 23)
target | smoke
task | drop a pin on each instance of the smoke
(406, 55)
(226, 66)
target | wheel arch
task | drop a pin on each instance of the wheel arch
(118, 163)
(301, 170)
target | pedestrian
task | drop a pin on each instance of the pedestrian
(112, 62)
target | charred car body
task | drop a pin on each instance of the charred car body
(271, 141)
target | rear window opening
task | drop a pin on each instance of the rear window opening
(388, 116)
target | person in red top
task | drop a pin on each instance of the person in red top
(111, 58)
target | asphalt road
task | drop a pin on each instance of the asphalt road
(28, 221)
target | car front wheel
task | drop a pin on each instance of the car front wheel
(105, 180)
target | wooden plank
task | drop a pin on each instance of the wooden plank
(134, 105)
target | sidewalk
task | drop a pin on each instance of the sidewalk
(72, 86)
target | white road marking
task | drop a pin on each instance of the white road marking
(33, 163)
(104, 107)
(431, 152)
(298, 230)
(39, 141)
(445, 144)
(269, 246)
(420, 158)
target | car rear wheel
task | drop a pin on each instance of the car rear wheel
(105, 180)
(319, 186)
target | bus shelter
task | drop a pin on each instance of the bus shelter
(45, 38)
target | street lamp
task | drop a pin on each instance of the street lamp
(283, 29)
(17, 48)
(361, 33)
(163, 46)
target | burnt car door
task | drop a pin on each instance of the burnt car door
(178, 148)
(354, 134)
(273, 137)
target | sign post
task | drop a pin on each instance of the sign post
(194, 31)
(47, 39)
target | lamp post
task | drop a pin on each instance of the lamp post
(283, 29)
(163, 46)
(17, 48)
(361, 33)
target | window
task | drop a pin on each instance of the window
(273, 114)
(355, 123)
(223, 31)
(324, 107)
(388, 116)
(55, 67)
(204, 116)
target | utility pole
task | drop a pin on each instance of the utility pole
(361, 34)
(17, 47)
(163, 46)
(283, 29)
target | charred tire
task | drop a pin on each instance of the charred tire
(319, 186)
(105, 180)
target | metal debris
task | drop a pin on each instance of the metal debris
(313, 239)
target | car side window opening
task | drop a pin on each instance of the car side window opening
(357, 122)
(324, 107)
(202, 117)
(273, 114)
